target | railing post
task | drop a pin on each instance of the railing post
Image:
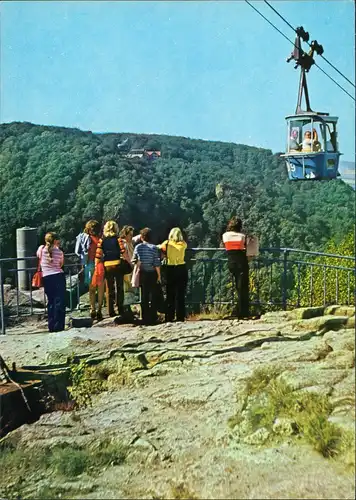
(324, 285)
(258, 282)
(2, 303)
(284, 289)
(298, 286)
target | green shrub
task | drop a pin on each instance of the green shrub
(268, 398)
(323, 435)
(70, 461)
(109, 453)
(260, 379)
(20, 466)
(84, 383)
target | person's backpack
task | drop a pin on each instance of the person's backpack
(82, 244)
(252, 246)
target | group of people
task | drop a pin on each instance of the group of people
(310, 142)
(115, 259)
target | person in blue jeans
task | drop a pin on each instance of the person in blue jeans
(52, 261)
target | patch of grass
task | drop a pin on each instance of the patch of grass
(16, 465)
(69, 461)
(180, 491)
(212, 313)
(260, 378)
(84, 383)
(108, 453)
(347, 448)
(323, 435)
(53, 492)
(269, 398)
(234, 420)
(49, 493)
(75, 417)
(101, 372)
(21, 466)
(260, 415)
(19, 461)
(120, 379)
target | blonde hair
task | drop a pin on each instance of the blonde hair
(92, 227)
(175, 234)
(50, 238)
(126, 230)
(110, 229)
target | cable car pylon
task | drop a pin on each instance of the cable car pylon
(312, 148)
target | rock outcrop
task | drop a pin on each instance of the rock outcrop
(174, 397)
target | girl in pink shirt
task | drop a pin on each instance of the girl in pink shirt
(52, 260)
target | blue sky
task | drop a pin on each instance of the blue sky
(209, 70)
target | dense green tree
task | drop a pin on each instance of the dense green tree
(57, 178)
(330, 280)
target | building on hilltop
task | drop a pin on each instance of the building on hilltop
(153, 155)
(142, 153)
(135, 153)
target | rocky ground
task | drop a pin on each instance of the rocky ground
(172, 398)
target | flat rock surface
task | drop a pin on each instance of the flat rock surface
(182, 390)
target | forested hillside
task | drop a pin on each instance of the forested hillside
(56, 178)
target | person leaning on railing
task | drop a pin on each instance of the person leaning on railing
(235, 244)
(176, 274)
(52, 261)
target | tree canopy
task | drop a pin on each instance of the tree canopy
(57, 178)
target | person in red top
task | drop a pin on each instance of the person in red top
(235, 244)
(111, 252)
(86, 246)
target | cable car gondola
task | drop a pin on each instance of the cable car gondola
(312, 151)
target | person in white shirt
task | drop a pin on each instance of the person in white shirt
(235, 244)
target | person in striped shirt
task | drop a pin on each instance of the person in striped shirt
(235, 244)
(52, 261)
(148, 257)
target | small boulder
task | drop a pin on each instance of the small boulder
(341, 359)
(340, 341)
(306, 313)
(340, 310)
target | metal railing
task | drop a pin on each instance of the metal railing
(280, 278)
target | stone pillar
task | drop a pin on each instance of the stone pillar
(26, 246)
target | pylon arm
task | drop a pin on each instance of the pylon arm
(303, 88)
